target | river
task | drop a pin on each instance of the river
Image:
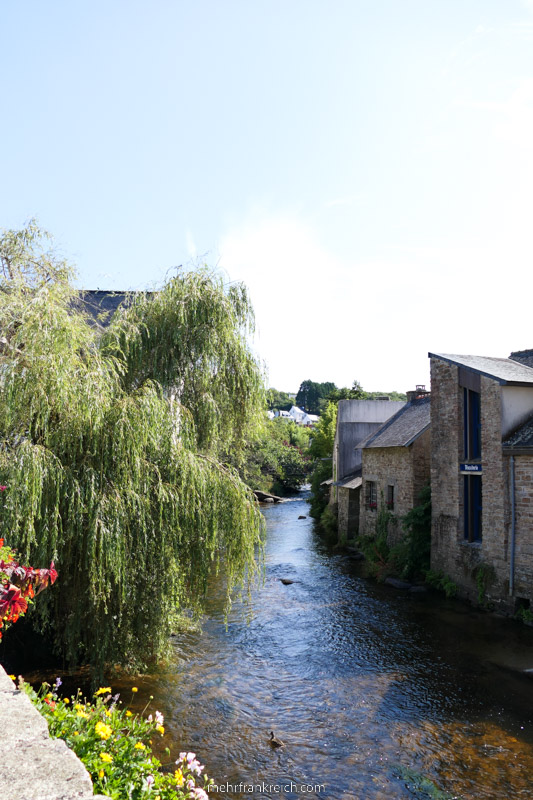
(376, 693)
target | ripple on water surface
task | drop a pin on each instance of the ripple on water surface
(376, 694)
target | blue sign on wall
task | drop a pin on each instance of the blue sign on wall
(470, 469)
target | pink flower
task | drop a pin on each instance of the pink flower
(3, 488)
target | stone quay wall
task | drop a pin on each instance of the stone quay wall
(34, 766)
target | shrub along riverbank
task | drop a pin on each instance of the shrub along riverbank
(115, 746)
(113, 446)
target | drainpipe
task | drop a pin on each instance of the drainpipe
(513, 530)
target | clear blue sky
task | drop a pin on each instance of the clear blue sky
(365, 166)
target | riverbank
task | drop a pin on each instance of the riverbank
(34, 766)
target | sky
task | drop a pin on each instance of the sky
(365, 167)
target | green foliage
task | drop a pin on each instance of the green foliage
(328, 521)
(485, 576)
(310, 393)
(416, 546)
(279, 400)
(525, 615)
(275, 458)
(323, 435)
(377, 555)
(438, 580)
(391, 395)
(113, 445)
(354, 393)
(319, 494)
(377, 552)
(321, 449)
(421, 785)
(115, 746)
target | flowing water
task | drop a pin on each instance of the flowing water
(376, 693)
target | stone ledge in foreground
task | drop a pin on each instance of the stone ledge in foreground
(33, 766)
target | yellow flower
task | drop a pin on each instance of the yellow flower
(49, 695)
(101, 773)
(134, 689)
(76, 733)
(102, 730)
(103, 690)
(66, 700)
(161, 729)
(79, 707)
(108, 713)
(140, 746)
(179, 777)
(128, 713)
(13, 677)
(106, 757)
(82, 714)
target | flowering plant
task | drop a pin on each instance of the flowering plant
(19, 585)
(115, 746)
(373, 506)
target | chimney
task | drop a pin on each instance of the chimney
(419, 393)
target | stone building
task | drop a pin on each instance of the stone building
(482, 476)
(356, 419)
(396, 465)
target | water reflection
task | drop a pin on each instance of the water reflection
(368, 687)
(376, 694)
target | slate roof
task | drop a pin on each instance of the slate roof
(523, 356)
(402, 428)
(522, 438)
(504, 370)
(101, 304)
(351, 481)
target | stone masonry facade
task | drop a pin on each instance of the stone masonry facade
(458, 558)
(523, 573)
(407, 469)
(348, 513)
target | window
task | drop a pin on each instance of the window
(390, 497)
(472, 497)
(371, 495)
(472, 425)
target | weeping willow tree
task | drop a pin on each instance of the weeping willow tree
(112, 448)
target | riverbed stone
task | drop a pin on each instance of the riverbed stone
(397, 583)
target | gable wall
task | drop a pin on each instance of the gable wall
(405, 468)
(523, 574)
(450, 552)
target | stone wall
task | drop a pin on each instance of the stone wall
(450, 552)
(33, 766)
(348, 513)
(405, 468)
(523, 574)
(494, 550)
